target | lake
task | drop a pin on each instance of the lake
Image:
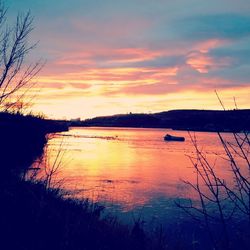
(132, 171)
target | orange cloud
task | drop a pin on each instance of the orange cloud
(108, 76)
(74, 103)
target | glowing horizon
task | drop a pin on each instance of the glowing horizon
(112, 57)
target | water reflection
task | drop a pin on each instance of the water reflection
(130, 168)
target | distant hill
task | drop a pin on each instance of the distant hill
(194, 120)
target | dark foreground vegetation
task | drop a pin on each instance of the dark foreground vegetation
(34, 216)
(192, 120)
(22, 140)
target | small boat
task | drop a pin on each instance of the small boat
(168, 137)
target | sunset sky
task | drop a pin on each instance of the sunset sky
(118, 56)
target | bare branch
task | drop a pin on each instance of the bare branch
(15, 74)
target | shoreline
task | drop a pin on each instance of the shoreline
(36, 217)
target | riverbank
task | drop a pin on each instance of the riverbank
(35, 217)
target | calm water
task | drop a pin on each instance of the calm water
(131, 170)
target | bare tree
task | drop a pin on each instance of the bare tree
(224, 203)
(15, 74)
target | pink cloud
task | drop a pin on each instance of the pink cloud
(204, 63)
(108, 56)
(207, 45)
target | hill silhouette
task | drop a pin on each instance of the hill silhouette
(193, 120)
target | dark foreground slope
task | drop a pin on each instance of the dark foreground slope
(196, 120)
(33, 217)
(22, 140)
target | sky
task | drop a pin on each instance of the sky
(107, 57)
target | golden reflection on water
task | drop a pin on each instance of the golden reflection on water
(128, 167)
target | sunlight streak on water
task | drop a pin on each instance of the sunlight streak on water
(131, 167)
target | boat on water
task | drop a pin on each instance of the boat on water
(169, 137)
